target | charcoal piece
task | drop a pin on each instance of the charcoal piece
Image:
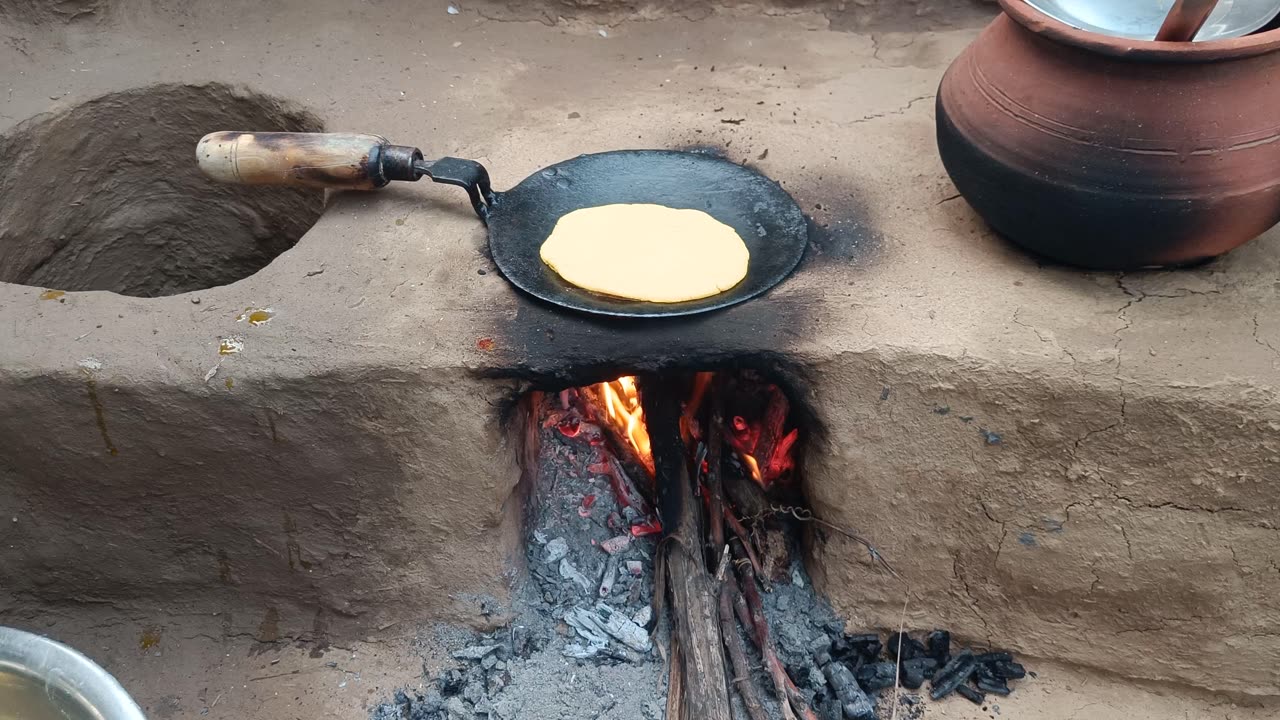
(822, 658)
(854, 702)
(867, 645)
(915, 671)
(814, 679)
(450, 682)
(822, 643)
(994, 657)
(829, 709)
(903, 647)
(995, 686)
(953, 675)
(939, 646)
(912, 678)
(973, 696)
(877, 676)
(842, 650)
(431, 702)
(1008, 670)
(927, 665)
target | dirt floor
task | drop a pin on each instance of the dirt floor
(176, 673)
(1139, 410)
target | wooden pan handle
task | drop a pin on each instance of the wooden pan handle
(327, 160)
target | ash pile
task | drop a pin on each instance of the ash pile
(591, 552)
(581, 647)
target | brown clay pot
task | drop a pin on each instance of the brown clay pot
(1110, 153)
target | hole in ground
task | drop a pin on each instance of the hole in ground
(107, 195)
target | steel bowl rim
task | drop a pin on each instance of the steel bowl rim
(1237, 48)
(36, 656)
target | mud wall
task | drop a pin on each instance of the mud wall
(325, 505)
(1111, 526)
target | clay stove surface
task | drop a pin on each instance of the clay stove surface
(1049, 454)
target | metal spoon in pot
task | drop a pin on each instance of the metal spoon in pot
(1185, 19)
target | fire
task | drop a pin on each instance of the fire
(622, 403)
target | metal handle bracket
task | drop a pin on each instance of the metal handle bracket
(467, 174)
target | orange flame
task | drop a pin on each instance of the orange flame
(753, 467)
(622, 403)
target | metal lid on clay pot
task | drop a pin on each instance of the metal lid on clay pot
(1137, 50)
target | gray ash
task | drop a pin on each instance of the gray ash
(590, 581)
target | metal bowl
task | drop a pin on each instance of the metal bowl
(45, 680)
(1141, 19)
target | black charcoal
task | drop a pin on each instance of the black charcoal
(939, 646)
(867, 645)
(855, 703)
(877, 676)
(973, 696)
(995, 686)
(915, 672)
(1009, 670)
(953, 675)
(822, 643)
(829, 709)
(903, 647)
(450, 682)
(911, 678)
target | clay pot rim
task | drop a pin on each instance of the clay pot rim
(1140, 50)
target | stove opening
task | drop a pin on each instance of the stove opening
(666, 539)
(663, 514)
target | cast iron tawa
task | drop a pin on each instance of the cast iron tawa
(762, 213)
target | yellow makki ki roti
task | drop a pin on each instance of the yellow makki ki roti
(646, 252)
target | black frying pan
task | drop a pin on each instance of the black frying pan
(520, 219)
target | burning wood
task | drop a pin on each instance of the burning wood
(621, 401)
(697, 625)
(739, 460)
(715, 475)
(764, 444)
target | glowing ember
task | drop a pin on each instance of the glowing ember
(752, 466)
(622, 404)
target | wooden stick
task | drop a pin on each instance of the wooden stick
(619, 447)
(788, 694)
(741, 533)
(715, 454)
(675, 694)
(693, 597)
(742, 680)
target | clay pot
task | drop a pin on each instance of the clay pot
(1110, 153)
